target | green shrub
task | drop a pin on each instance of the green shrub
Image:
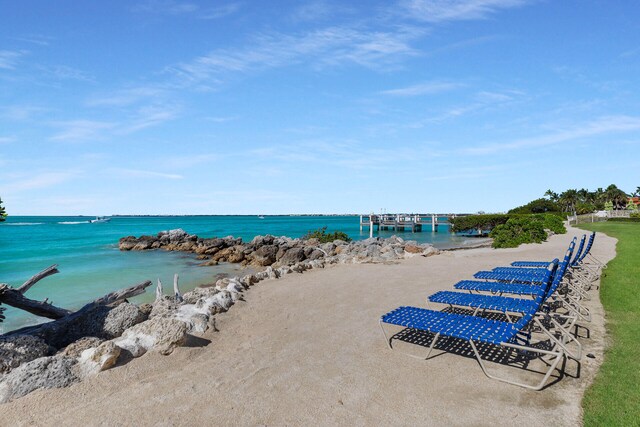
(518, 230)
(634, 215)
(537, 206)
(324, 237)
(477, 222)
(551, 222)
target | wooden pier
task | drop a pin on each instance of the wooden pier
(404, 222)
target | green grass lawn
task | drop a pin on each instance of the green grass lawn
(614, 397)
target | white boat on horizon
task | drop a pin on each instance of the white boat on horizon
(100, 219)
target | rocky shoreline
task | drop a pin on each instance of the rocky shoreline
(65, 351)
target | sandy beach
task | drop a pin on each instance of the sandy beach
(307, 349)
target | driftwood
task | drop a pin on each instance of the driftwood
(61, 323)
(176, 291)
(15, 297)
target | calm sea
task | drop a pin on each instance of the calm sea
(91, 265)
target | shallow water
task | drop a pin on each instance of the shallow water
(91, 265)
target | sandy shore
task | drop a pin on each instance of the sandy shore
(307, 350)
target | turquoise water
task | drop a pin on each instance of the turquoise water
(91, 265)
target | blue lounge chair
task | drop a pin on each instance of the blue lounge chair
(540, 264)
(569, 301)
(508, 305)
(532, 289)
(479, 330)
(529, 276)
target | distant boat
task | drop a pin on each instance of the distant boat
(99, 219)
(260, 216)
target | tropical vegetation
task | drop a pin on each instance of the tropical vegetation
(324, 237)
(613, 398)
(3, 213)
(518, 230)
(584, 201)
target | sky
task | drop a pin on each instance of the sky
(321, 106)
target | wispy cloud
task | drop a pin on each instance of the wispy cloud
(137, 173)
(127, 96)
(81, 130)
(9, 58)
(6, 139)
(21, 112)
(222, 119)
(220, 11)
(325, 47)
(36, 39)
(63, 72)
(169, 7)
(38, 181)
(148, 117)
(427, 88)
(436, 11)
(597, 127)
(315, 11)
(480, 102)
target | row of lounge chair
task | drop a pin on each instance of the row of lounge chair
(511, 315)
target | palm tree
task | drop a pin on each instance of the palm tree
(553, 196)
(636, 193)
(568, 200)
(3, 213)
(615, 195)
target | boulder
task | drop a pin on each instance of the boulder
(97, 359)
(264, 256)
(120, 318)
(45, 372)
(160, 334)
(413, 249)
(76, 348)
(91, 323)
(18, 349)
(292, 256)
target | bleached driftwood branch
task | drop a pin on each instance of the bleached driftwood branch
(176, 291)
(15, 297)
(44, 273)
(110, 298)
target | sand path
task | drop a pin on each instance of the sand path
(307, 350)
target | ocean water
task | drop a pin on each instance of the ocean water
(91, 265)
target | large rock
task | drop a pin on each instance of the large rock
(161, 334)
(76, 348)
(45, 372)
(97, 359)
(292, 256)
(98, 322)
(121, 318)
(18, 349)
(264, 256)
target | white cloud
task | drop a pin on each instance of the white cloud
(36, 39)
(126, 96)
(81, 130)
(166, 7)
(21, 112)
(38, 181)
(599, 126)
(148, 117)
(427, 88)
(436, 11)
(325, 47)
(312, 11)
(9, 58)
(220, 11)
(137, 173)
